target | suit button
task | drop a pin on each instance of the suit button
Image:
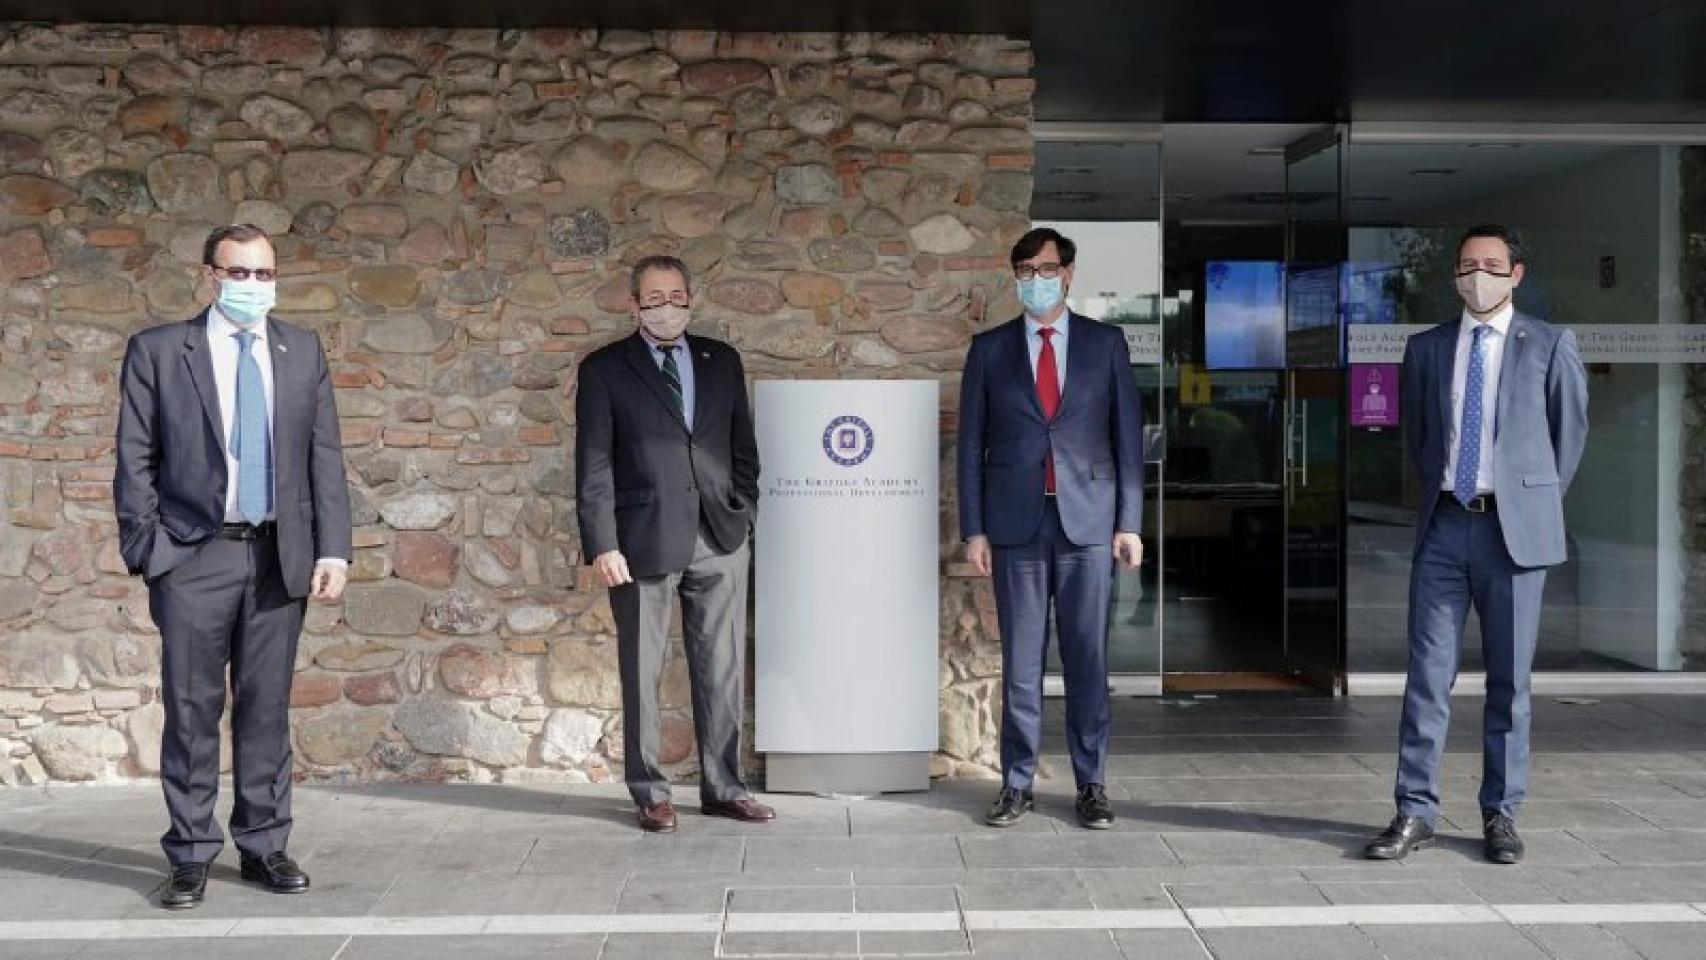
(692, 489)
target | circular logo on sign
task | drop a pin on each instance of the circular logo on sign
(848, 441)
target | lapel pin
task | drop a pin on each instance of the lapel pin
(283, 349)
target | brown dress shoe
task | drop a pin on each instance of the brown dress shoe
(746, 810)
(658, 818)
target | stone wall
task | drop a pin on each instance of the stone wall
(455, 212)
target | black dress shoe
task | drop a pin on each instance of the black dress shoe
(1010, 807)
(185, 886)
(1094, 810)
(1397, 840)
(1503, 844)
(277, 872)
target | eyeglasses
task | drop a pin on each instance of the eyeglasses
(674, 300)
(265, 274)
(1048, 271)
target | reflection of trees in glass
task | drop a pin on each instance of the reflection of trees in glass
(1423, 253)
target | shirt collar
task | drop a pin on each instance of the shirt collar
(1060, 326)
(219, 325)
(680, 342)
(1500, 322)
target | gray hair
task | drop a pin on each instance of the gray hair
(658, 263)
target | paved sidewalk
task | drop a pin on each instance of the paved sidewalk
(1241, 823)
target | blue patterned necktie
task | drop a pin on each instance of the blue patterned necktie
(251, 442)
(1469, 430)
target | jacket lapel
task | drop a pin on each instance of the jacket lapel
(1516, 338)
(1445, 366)
(639, 356)
(198, 357)
(1077, 361)
(1019, 360)
(703, 374)
(287, 386)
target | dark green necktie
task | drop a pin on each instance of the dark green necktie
(672, 376)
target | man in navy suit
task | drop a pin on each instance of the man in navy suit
(1494, 408)
(1051, 494)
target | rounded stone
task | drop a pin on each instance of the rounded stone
(429, 172)
(404, 333)
(385, 284)
(352, 127)
(692, 215)
(877, 222)
(582, 672)
(32, 196)
(475, 375)
(924, 334)
(418, 511)
(183, 182)
(375, 220)
(470, 671)
(570, 737)
(647, 70)
(461, 613)
(663, 167)
(942, 234)
(581, 233)
(74, 152)
(274, 218)
(323, 169)
(511, 171)
(22, 254)
(811, 290)
(816, 117)
(841, 254)
(807, 184)
(77, 753)
(717, 77)
(22, 152)
(1006, 191)
(276, 117)
(473, 286)
(884, 184)
(588, 162)
(111, 191)
(746, 295)
(457, 729)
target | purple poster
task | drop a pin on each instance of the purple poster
(1374, 395)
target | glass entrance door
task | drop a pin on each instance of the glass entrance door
(1315, 241)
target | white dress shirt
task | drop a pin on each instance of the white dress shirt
(222, 342)
(1492, 351)
(1034, 342)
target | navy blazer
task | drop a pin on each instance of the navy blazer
(1540, 429)
(169, 487)
(1096, 437)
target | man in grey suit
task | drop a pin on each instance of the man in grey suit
(666, 476)
(233, 507)
(1494, 408)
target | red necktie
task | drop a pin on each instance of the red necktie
(1048, 393)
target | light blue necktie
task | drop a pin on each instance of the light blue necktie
(251, 442)
(1469, 431)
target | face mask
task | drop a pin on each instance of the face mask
(1484, 292)
(1040, 295)
(247, 302)
(665, 323)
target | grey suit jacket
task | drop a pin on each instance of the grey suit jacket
(1540, 427)
(169, 487)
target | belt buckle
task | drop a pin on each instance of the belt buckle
(1477, 504)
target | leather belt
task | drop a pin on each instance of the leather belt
(1480, 504)
(248, 531)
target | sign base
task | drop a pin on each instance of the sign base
(852, 773)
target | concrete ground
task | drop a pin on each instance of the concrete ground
(1240, 830)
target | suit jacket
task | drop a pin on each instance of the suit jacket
(1540, 427)
(646, 480)
(170, 484)
(1096, 437)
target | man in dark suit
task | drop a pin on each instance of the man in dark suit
(233, 507)
(1051, 494)
(666, 471)
(1494, 408)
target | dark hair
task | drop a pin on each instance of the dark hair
(658, 263)
(1495, 231)
(1033, 242)
(237, 232)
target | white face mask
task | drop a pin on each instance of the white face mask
(665, 323)
(1485, 292)
(247, 302)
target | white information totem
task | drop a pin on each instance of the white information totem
(847, 567)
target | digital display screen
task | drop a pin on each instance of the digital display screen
(1244, 315)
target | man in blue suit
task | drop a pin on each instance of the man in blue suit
(1494, 407)
(1051, 494)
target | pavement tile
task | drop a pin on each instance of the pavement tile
(249, 948)
(1161, 945)
(1576, 942)
(670, 854)
(1038, 944)
(1403, 942)
(846, 853)
(914, 943)
(1397, 891)
(659, 946)
(1081, 849)
(508, 947)
(1026, 890)
(450, 894)
(815, 944)
(1647, 846)
(1290, 943)
(1661, 941)
(753, 899)
(906, 899)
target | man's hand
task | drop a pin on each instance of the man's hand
(612, 568)
(328, 580)
(1128, 550)
(978, 555)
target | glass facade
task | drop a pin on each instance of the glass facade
(1267, 298)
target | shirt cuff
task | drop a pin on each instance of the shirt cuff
(340, 561)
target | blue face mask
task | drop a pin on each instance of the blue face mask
(1040, 295)
(247, 302)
